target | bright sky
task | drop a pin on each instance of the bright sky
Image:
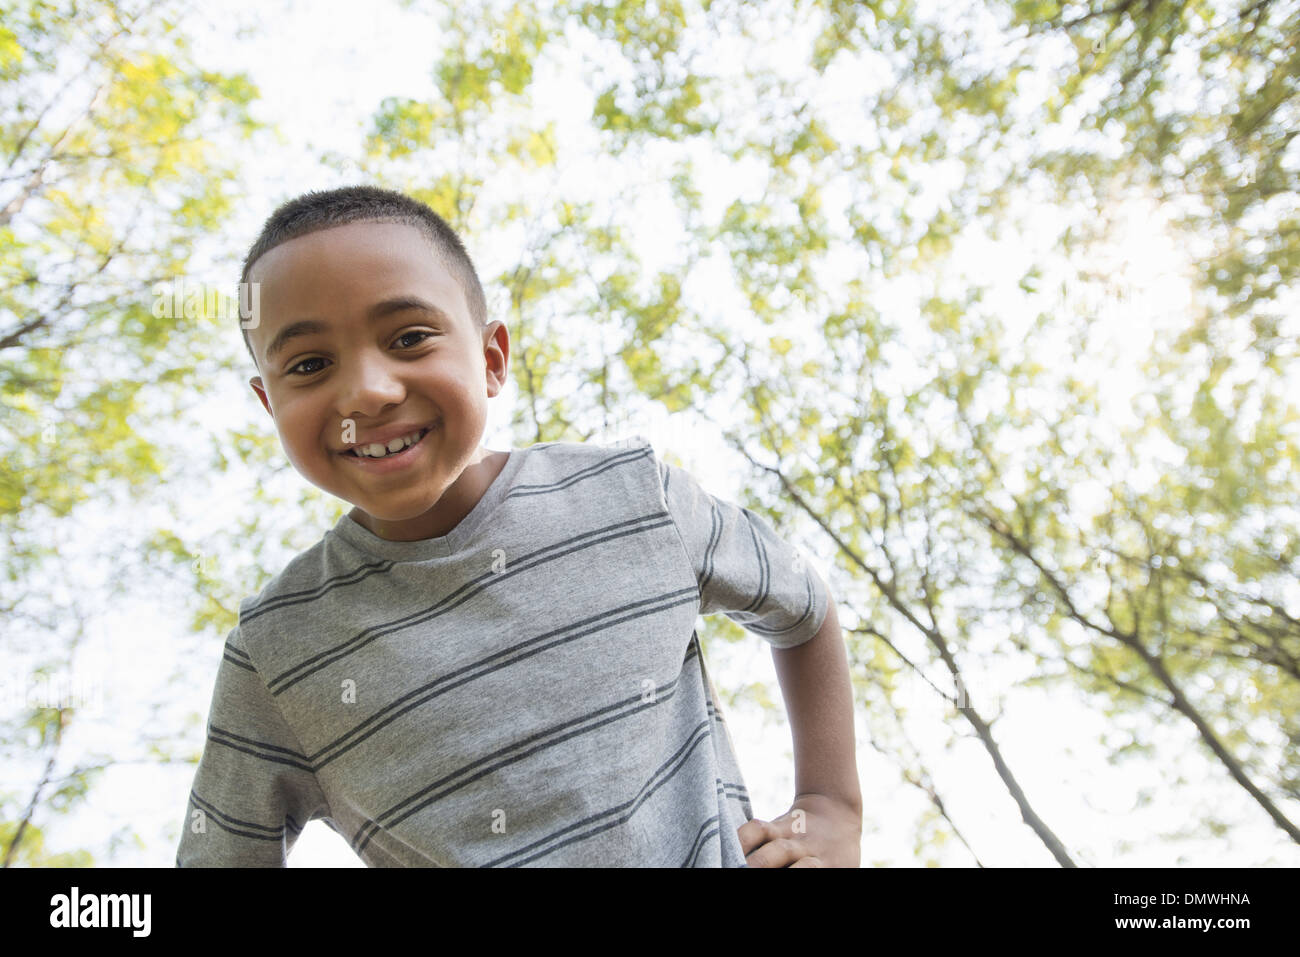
(323, 70)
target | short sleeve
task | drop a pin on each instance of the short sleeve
(254, 789)
(744, 569)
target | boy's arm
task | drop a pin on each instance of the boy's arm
(758, 580)
(254, 790)
(824, 824)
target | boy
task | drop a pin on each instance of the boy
(491, 660)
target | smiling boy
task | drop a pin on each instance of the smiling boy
(491, 659)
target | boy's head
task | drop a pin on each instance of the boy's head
(353, 204)
(371, 326)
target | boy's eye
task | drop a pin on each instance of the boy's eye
(300, 371)
(293, 371)
(415, 332)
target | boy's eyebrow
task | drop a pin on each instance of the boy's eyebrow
(307, 327)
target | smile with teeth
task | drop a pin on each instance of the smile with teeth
(375, 450)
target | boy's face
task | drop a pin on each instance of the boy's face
(378, 359)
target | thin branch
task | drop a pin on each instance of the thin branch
(1155, 664)
(937, 640)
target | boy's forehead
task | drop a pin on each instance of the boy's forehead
(351, 267)
(354, 248)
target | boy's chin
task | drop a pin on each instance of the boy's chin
(389, 512)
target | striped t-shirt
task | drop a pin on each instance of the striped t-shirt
(526, 690)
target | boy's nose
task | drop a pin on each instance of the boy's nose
(367, 386)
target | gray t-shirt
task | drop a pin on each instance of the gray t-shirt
(526, 690)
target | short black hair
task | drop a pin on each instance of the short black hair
(318, 210)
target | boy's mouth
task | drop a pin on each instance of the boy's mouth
(395, 448)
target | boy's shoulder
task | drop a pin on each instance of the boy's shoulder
(559, 454)
(304, 577)
(568, 473)
(586, 477)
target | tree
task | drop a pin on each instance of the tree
(911, 475)
(771, 224)
(113, 168)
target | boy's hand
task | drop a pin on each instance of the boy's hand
(817, 831)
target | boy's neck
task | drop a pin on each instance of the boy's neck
(457, 502)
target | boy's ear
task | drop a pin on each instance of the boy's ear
(256, 383)
(496, 355)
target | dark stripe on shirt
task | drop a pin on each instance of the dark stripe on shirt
(358, 574)
(665, 773)
(256, 748)
(239, 662)
(715, 537)
(232, 824)
(493, 663)
(549, 737)
(807, 614)
(764, 570)
(323, 659)
(701, 838)
(591, 471)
